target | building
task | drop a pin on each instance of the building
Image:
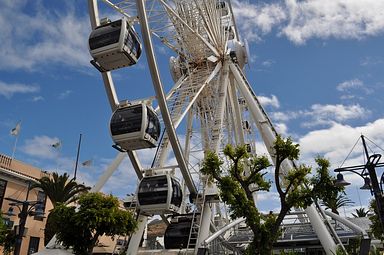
(15, 178)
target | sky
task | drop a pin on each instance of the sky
(317, 67)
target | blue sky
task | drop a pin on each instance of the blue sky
(316, 65)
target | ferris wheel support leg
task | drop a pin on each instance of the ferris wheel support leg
(269, 137)
(188, 134)
(161, 97)
(108, 172)
(205, 224)
(237, 116)
(261, 120)
(217, 134)
(321, 230)
(135, 163)
(134, 243)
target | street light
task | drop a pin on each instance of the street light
(26, 208)
(368, 173)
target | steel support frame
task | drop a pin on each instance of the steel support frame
(206, 213)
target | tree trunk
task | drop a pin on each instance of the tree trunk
(49, 230)
(93, 243)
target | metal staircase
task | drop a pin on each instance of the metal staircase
(196, 216)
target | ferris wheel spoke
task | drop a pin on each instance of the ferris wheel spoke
(180, 104)
(210, 31)
(123, 7)
(195, 95)
(161, 97)
(192, 31)
(174, 90)
(169, 24)
(211, 16)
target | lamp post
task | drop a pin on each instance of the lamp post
(27, 208)
(368, 173)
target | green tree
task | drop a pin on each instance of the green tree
(376, 227)
(3, 229)
(60, 189)
(96, 215)
(360, 212)
(336, 202)
(7, 237)
(246, 174)
(323, 183)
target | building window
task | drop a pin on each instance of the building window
(33, 245)
(3, 186)
(41, 197)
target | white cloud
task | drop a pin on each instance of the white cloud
(271, 197)
(40, 147)
(37, 98)
(329, 18)
(267, 63)
(65, 94)
(349, 97)
(352, 89)
(124, 180)
(301, 20)
(285, 116)
(256, 20)
(272, 101)
(371, 61)
(327, 114)
(281, 128)
(337, 141)
(323, 115)
(346, 85)
(34, 39)
(9, 89)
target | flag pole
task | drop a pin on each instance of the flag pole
(14, 147)
(77, 157)
(15, 132)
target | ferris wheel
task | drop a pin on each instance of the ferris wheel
(210, 104)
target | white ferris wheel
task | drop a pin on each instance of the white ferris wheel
(211, 104)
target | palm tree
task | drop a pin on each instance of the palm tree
(334, 203)
(60, 190)
(361, 212)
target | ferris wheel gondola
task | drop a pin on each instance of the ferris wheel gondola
(114, 45)
(238, 52)
(178, 233)
(135, 127)
(159, 194)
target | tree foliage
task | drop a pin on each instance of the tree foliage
(336, 202)
(360, 212)
(376, 227)
(96, 215)
(60, 189)
(7, 237)
(246, 174)
(3, 230)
